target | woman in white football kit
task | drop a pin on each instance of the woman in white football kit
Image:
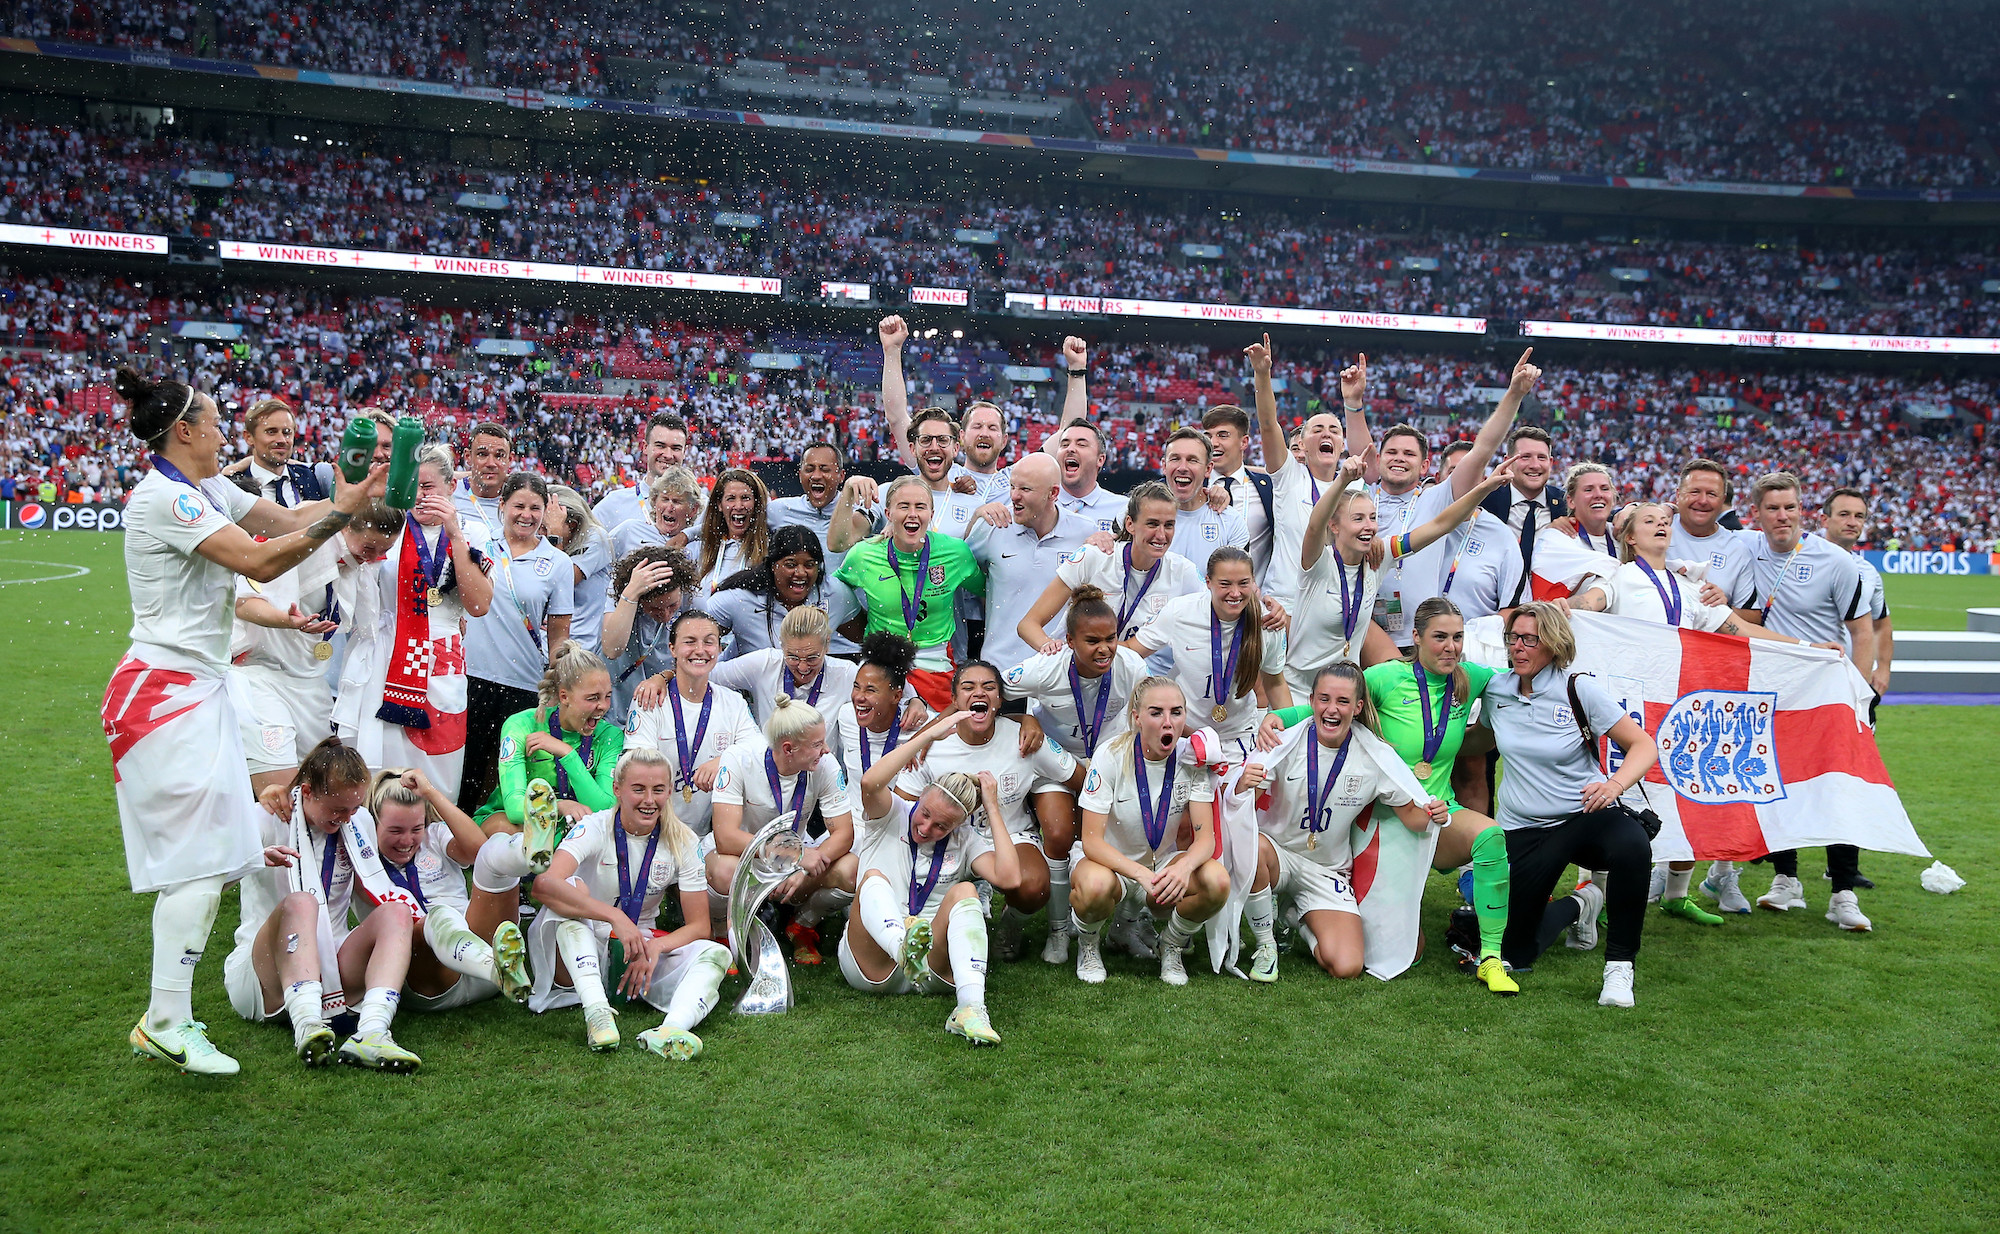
(403, 710)
(1136, 579)
(1222, 653)
(284, 642)
(1023, 766)
(1646, 588)
(189, 819)
(917, 924)
(1340, 576)
(1311, 789)
(870, 723)
(797, 667)
(427, 845)
(294, 952)
(788, 772)
(1148, 835)
(1079, 692)
(601, 897)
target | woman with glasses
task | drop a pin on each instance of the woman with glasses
(1556, 802)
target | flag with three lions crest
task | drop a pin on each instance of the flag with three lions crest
(1764, 746)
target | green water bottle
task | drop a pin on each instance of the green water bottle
(357, 449)
(403, 445)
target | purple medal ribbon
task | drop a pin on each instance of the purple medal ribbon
(582, 751)
(1090, 729)
(1350, 607)
(329, 857)
(408, 879)
(1127, 607)
(1432, 740)
(689, 750)
(920, 893)
(1318, 793)
(631, 899)
(792, 685)
(171, 472)
(913, 608)
(1670, 593)
(1152, 819)
(889, 741)
(1225, 674)
(798, 791)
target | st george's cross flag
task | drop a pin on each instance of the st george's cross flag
(1764, 746)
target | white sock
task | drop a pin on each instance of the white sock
(456, 946)
(576, 943)
(697, 993)
(1601, 877)
(302, 1002)
(1085, 929)
(1179, 930)
(1058, 894)
(1677, 883)
(824, 903)
(965, 933)
(378, 1007)
(182, 917)
(501, 864)
(1718, 869)
(1259, 907)
(881, 915)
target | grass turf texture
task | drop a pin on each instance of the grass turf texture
(1776, 1074)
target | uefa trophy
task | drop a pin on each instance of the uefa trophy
(770, 859)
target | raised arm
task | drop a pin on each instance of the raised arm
(849, 526)
(1354, 402)
(1277, 456)
(235, 548)
(466, 837)
(1076, 385)
(876, 791)
(895, 392)
(1455, 513)
(1317, 532)
(1006, 871)
(1493, 433)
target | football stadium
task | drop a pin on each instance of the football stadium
(809, 616)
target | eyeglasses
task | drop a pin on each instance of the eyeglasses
(1530, 641)
(811, 661)
(932, 439)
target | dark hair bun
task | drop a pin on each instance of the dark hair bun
(1086, 593)
(131, 387)
(155, 405)
(890, 652)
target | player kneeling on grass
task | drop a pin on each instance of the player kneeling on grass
(600, 898)
(427, 843)
(1148, 835)
(913, 855)
(293, 924)
(1310, 790)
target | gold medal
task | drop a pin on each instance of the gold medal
(434, 597)
(1423, 771)
(1220, 713)
(322, 651)
(687, 792)
(1312, 841)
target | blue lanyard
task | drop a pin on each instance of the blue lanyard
(582, 752)
(778, 792)
(1317, 794)
(1092, 728)
(632, 899)
(1155, 822)
(689, 750)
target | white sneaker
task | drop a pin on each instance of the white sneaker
(1657, 891)
(1721, 886)
(1089, 960)
(1844, 910)
(1264, 964)
(1617, 984)
(1583, 935)
(1056, 949)
(1786, 893)
(313, 1040)
(600, 1027)
(185, 1045)
(1172, 971)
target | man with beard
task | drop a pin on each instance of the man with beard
(662, 444)
(1198, 529)
(272, 431)
(1304, 469)
(489, 457)
(1526, 505)
(984, 438)
(1079, 448)
(822, 470)
(929, 444)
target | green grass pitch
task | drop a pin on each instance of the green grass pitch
(1776, 1075)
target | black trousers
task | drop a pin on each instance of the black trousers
(1598, 840)
(487, 706)
(1843, 862)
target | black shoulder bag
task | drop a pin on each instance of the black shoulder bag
(1647, 818)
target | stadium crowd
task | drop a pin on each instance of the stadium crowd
(1916, 443)
(112, 181)
(1667, 89)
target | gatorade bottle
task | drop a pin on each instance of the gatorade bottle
(357, 449)
(403, 445)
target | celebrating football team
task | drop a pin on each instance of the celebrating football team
(462, 748)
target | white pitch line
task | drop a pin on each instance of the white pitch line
(75, 571)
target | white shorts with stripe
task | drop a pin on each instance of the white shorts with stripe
(1310, 887)
(543, 958)
(286, 718)
(897, 982)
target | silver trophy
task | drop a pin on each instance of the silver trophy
(771, 858)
